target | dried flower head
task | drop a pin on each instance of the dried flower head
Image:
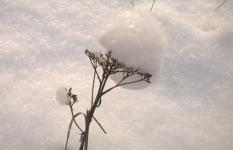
(111, 65)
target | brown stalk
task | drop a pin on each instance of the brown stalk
(109, 66)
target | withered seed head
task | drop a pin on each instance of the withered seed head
(111, 65)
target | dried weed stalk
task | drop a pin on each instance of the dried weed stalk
(104, 66)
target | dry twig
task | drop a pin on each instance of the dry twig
(108, 66)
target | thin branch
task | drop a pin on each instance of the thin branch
(84, 138)
(92, 90)
(72, 112)
(109, 65)
(99, 103)
(131, 82)
(132, 2)
(87, 122)
(106, 91)
(104, 83)
(69, 129)
(152, 5)
(120, 71)
(95, 69)
(90, 113)
(221, 4)
(99, 125)
(119, 83)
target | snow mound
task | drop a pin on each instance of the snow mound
(136, 39)
(61, 96)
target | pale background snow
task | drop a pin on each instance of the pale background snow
(42, 46)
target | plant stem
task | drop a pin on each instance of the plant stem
(69, 129)
(152, 6)
(73, 116)
(132, 2)
(92, 90)
(109, 66)
(221, 4)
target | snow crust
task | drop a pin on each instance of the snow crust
(42, 45)
(61, 96)
(136, 39)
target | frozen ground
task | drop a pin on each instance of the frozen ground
(190, 107)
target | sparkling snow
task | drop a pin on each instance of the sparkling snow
(42, 45)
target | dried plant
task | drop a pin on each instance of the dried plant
(104, 66)
(221, 4)
(132, 2)
(152, 6)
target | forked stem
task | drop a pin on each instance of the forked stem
(109, 66)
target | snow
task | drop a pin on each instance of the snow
(42, 46)
(61, 96)
(136, 39)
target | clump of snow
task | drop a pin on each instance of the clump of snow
(61, 96)
(136, 39)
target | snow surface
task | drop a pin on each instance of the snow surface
(136, 39)
(42, 46)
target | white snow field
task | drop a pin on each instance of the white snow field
(190, 107)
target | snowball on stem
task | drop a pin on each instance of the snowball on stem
(136, 39)
(62, 96)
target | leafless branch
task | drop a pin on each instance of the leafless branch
(99, 125)
(152, 6)
(69, 129)
(73, 116)
(221, 4)
(92, 89)
(95, 69)
(109, 66)
(132, 2)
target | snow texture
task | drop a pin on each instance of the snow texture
(42, 45)
(136, 39)
(61, 96)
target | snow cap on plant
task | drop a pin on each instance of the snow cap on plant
(62, 96)
(135, 38)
